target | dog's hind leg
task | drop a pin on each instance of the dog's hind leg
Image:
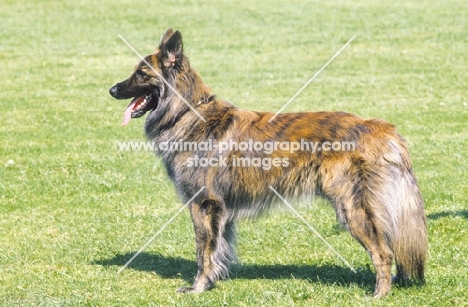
(214, 236)
(362, 226)
(358, 206)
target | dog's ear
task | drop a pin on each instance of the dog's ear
(165, 38)
(172, 50)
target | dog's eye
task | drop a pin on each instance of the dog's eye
(140, 74)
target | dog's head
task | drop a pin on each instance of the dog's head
(150, 78)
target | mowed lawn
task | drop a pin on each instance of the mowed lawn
(74, 209)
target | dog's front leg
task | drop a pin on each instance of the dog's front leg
(208, 221)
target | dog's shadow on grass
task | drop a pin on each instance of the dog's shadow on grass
(176, 267)
(443, 214)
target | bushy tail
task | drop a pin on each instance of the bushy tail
(410, 241)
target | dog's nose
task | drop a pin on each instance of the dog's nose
(113, 91)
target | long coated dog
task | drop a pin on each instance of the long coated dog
(370, 184)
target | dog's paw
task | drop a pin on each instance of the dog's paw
(187, 290)
(381, 292)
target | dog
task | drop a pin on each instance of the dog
(372, 187)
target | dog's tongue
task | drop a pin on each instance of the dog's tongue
(128, 111)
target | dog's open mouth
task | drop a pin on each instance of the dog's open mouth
(139, 106)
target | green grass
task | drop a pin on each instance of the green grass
(73, 209)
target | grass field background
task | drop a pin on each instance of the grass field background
(74, 209)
